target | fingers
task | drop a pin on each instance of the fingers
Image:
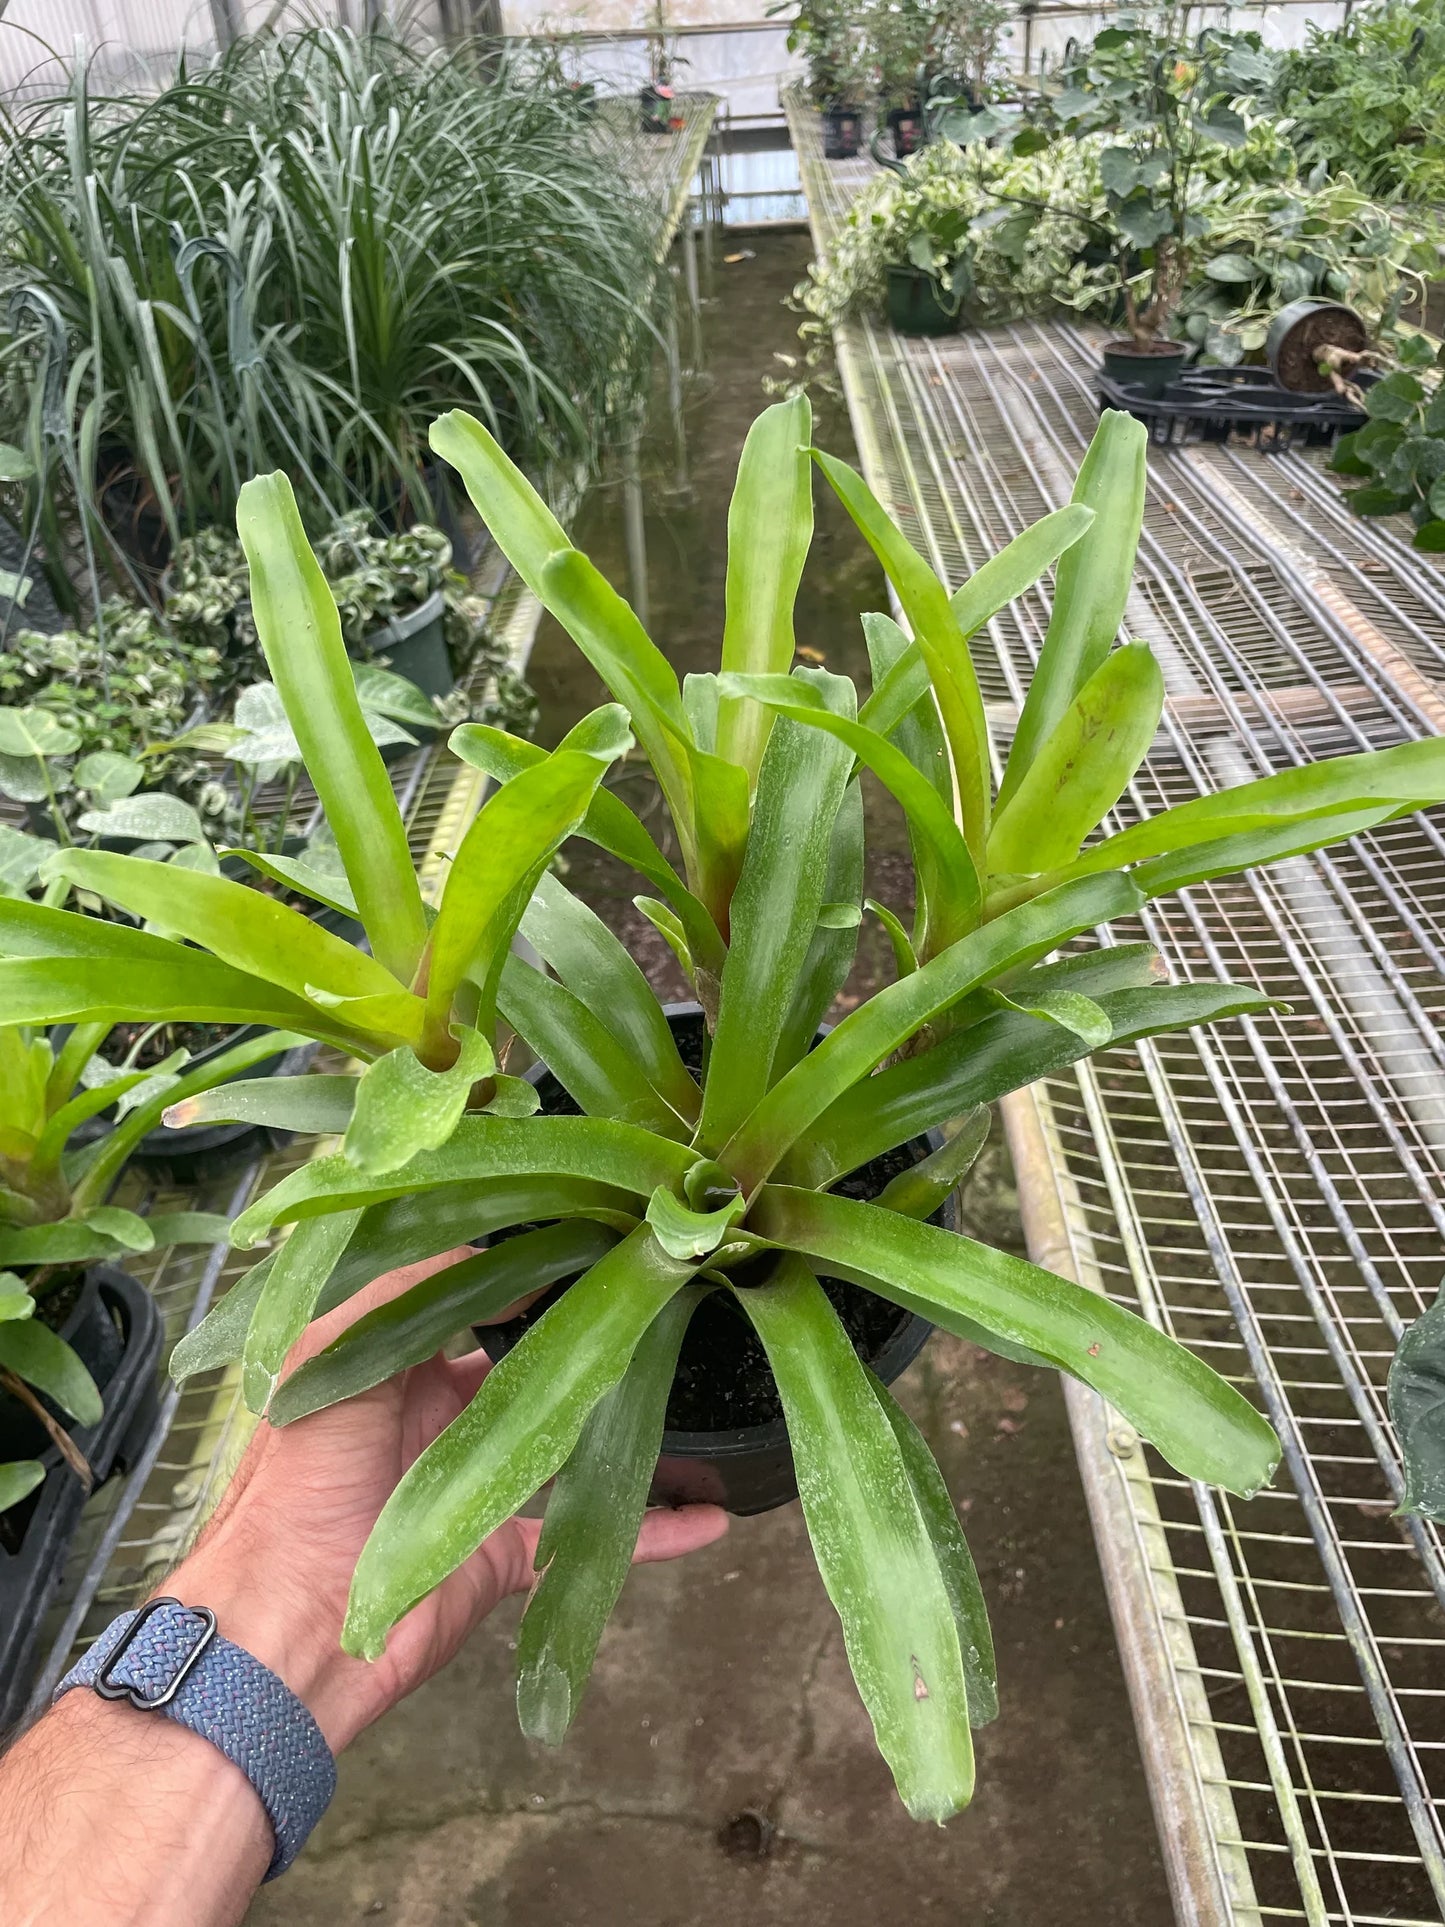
(467, 1372)
(668, 1534)
(391, 1284)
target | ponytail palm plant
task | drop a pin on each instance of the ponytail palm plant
(670, 1185)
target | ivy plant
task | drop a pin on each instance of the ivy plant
(668, 1185)
(1399, 455)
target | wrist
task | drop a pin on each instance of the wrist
(291, 1628)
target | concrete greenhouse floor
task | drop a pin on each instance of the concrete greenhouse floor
(722, 1771)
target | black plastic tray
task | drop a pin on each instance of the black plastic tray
(131, 1391)
(1233, 404)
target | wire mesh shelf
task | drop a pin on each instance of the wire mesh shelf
(1270, 1191)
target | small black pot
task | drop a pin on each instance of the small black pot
(199, 1152)
(744, 1468)
(116, 1329)
(1148, 366)
(842, 132)
(906, 126)
(656, 104)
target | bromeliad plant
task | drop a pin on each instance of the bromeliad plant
(54, 1211)
(669, 1186)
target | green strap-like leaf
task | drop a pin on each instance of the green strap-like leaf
(319, 1104)
(575, 943)
(869, 1034)
(872, 1545)
(1407, 777)
(412, 1326)
(1203, 1426)
(584, 1148)
(34, 1353)
(322, 886)
(835, 940)
(402, 1108)
(609, 824)
(18, 1479)
(509, 843)
(402, 1232)
(1092, 586)
(922, 1188)
(243, 927)
(770, 528)
(917, 731)
(774, 910)
(634, 669)
(978, 1066)
(955, 1561)
(1082, 768)
(300, 632)
(591, 1063)
(590, 1530)
(79, 1240)
(1252, 849)
(520, 1427)
(288, 1298)
(936, 630)
(947, 879)
(685, 1233)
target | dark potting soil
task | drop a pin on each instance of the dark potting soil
(194, 1038)
(723, 1380)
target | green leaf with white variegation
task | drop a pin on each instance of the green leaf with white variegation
(153, 818)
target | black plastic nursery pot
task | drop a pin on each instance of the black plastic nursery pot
(905, 124)
(199, 1152)
(842, 132)
(1148, 366)
(725, 1441)
(414, 645)
(117, 1331)
(916, 305)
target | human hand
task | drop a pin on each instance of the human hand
(275, 1562)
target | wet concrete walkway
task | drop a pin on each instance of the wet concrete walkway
(722, 1771)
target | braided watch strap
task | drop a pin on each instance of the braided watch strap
(169, 1658)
